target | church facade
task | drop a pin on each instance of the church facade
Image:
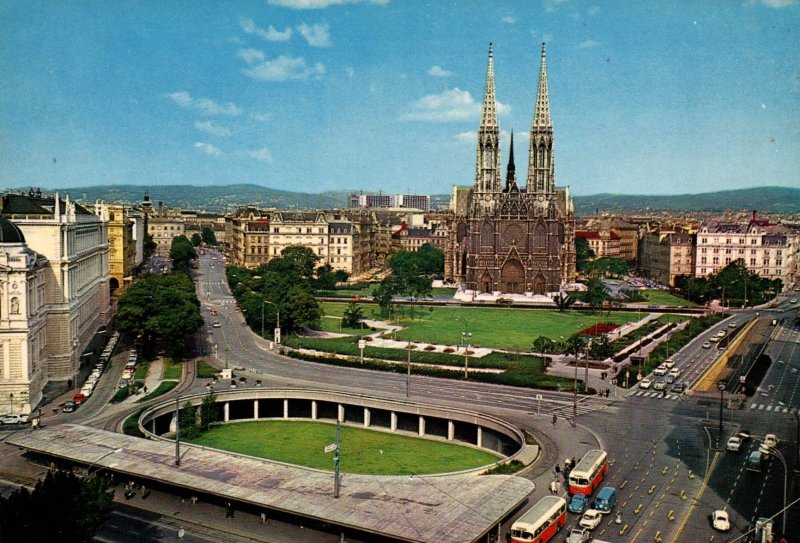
(509, 238)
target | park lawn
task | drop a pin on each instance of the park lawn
(172, 369)
(205, 370)
(493, 327)
(362, 451)
(330, 323)
(662, 297)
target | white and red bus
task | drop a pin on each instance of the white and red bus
(588, 473)
(541, 522)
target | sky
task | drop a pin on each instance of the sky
(647, 97)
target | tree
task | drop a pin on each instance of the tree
(300, 309)
(208, 411)
(583, 254)
(428, 260)
(302, 259)
(596, 293)
(545, 345)
(188, 421)
(158, 308)
(563, 301)
(62, 507)
(384, 294)
(352, 316)
(601, 348)
(326, 278)
(208, 236)
(182, 253)
(150, 246)
(196, 240)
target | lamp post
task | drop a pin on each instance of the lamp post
(178, 430)
(466, 335)
(10, 402)
(89, 469)
(408, 370)
(721, 388)
(277, 333)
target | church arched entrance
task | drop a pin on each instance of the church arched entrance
(486, 283)
(512, 277)
(539, 285)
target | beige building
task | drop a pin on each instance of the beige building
(164, 229)
(76, 290)
(604, 244)
(665, 255)
(23, 320)
(249, 241)
(770, 250)
(121, 244)
(628, 234)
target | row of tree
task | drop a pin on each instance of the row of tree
(206, 236)
(733, 285)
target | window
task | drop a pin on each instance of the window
(727, 251)
(705, 240)
(753, 241)
(715, 260)
(752, 261)
(703, 250)
(702, 260)
(779, 262)
(728, 241)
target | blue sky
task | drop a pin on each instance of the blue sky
(312, 95)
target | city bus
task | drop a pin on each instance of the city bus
(588, 473)
(541, 522)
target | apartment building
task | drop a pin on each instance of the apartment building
(664, 255)
(122, 258)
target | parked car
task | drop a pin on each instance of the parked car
(645, 383)
(734, 444)
(578, 504)
(720, 521)
(10, 419)
(69, 407)
(79, 398)
(591, 519)
(216, 324)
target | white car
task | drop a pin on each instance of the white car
(707, 345)
(734, 444)
(591, 519)
(216, 324)
(668, 363)
(661, 370)
(720, 521)
(771, 440)
(675, 372)
(645, 383)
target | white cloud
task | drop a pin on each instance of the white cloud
(317, 35)
(551, 6)
(205, 105)
(210, 127)
(262, 117)
(509, 20)
(438, 71)
(262, 154)
(588, 44)
(448, 106)
(284, 68)
(207, 148)
(470, 137)
(250, 55)
(321, 4)
(776, 4)
(270, 34)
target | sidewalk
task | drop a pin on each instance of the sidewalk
(151, 381)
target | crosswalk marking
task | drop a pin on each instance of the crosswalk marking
(774, 408)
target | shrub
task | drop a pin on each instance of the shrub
(430, 348)
(449, 350)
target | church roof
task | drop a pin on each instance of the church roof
(10, 232)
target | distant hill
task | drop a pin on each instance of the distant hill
(229, 197)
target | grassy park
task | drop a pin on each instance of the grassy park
(662, 297)
(362, 451)
(494, 327)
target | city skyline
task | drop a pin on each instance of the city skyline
(314, 95)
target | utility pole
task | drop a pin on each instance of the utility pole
(177, 431)
(336, 464)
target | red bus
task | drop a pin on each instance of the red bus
(588, 473)
(541, 522)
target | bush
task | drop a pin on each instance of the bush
(448, 350)
(505, 469)
(430, 348)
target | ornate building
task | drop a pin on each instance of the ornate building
(513, 239)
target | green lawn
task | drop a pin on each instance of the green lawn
(205, 370)
(172, 369)
(362, 451)
(662, 297)
(498, 327)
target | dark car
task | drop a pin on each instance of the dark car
(678, 388)
(69, 407)
(578, 504)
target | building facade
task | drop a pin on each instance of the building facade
(665, 255)
(163, 229)
(74, 242)
(121, 245)
(515, 239)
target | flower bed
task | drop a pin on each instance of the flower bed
(599, 329)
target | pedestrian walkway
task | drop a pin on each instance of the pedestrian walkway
(655, 394)
(154, 378)
(774, 408)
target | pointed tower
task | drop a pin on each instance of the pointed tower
(541, 167)
(487, 170)
(511, 170)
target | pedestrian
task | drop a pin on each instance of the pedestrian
(558, 470)
(558, 487)
(552, 487)
(263, 518)
(228, 510)
(555, 418)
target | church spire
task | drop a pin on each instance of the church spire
(487, 168)
(511, 170)
(541, 118)
(541, 169)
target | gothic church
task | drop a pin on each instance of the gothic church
(513, 239)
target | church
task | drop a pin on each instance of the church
(509, 238)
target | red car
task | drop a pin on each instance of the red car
(78, 399)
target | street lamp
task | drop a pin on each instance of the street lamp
(721, 388)
(89, 469)
(466, 335)
(278, 320)
(408, 370)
